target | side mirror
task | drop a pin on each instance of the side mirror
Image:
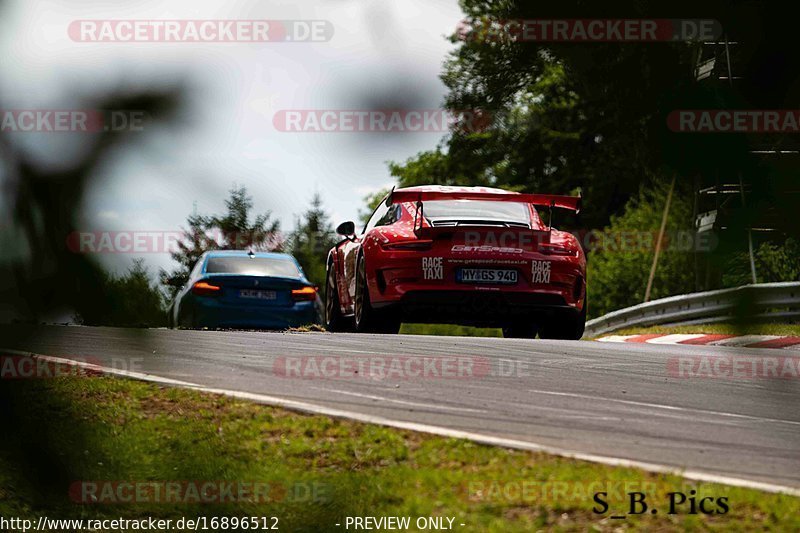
(346, 229)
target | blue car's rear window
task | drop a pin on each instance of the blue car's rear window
(253, 266)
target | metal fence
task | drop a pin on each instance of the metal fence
(763, 302)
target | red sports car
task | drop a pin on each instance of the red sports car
(464, 255)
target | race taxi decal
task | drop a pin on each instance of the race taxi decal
(432, 268)
(540, 271)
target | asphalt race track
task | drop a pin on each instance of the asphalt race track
(608, 399)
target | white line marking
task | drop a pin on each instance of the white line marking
(402, 402)
(660, 406)
(674, 338)
(531, 407)
(694, 475)
(616, 338)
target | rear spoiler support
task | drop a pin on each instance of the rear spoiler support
(418, 211)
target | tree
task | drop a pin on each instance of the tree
(773, 263)
(593, 115)
(195, 242)
(371, 201)
(236, 231)
(311, 239)
(231, 231)
(619, 265)
(130, 300)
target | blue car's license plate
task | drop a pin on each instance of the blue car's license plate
(257, 295)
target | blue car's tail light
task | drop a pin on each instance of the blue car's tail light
(203, 288)
(305, 294)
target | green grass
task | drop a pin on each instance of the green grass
(100, 428)
(449, 330)
(723, 329)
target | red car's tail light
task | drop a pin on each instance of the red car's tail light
(305, 294)
(409, 245)
(202, 288)
(555, 249)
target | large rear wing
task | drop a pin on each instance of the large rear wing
(573, 203)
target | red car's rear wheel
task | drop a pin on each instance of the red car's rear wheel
(565, 328)
(334, 319)
(520, 331)
(367, 318)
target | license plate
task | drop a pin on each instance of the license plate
(486, 275)
(258, 295)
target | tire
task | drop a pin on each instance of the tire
(367, 319)
(181, 320)
(520, 331)
(566, 328)
(335, 321)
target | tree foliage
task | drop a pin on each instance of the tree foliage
(236, 232)
(774, 262)
(130, 300)
(311, 239)
(618, 268)
(371, 202)
(232, 230)
(591, 115)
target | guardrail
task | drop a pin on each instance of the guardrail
(763, 301)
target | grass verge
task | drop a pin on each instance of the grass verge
(319, 470)
(722, 329)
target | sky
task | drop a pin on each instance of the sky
(382, 55)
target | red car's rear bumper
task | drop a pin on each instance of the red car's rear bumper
(428, 290)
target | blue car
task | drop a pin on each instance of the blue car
(239, 289)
